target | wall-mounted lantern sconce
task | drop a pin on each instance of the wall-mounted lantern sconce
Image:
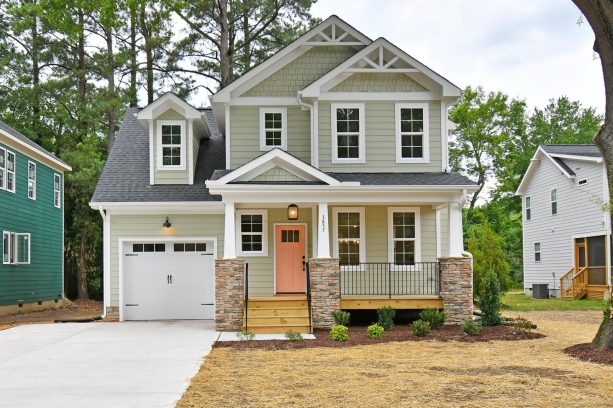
(292, 212)
(167, 223)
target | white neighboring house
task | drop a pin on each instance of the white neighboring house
(566, 226)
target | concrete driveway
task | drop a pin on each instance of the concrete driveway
(130, 364)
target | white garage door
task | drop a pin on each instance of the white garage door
(169, 280)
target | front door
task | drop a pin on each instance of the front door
(580, 254)
(290, 258)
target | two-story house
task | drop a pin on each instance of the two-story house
(32, 224)
(566, 222)
(317, 181)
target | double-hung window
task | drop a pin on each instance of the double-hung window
(15, 248)
(10, 171)
(528, 209)
(537, 252)
(349, 243)
(554, 201)
(348, 140)
(412, 133)
(171, 146)
(273, 128)
(2, 168)
(57, 188)
(31, 180)
(404, 236)
(252, 232)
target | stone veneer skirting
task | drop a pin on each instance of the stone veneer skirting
(325, 291)
(229, 294)
(457, 288)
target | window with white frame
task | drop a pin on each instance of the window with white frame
(10, 171)
(404, 235)
(349, 243)
(252, 232)
(15, 248)
(171, 146)
(528, 209)
(273, 128)
(31, 180)
(554, 201)
(348, 133)
(2, 168)
(537, 252)
(412, 133)
(57, 188)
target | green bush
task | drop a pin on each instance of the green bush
(420, 328)
(435, 317)
(338, 332)
(375, 331)
(341, 317)
(523, 325)
(293, 336)
(489, 302)
(245, 336)
(386, 317)
(471, 327)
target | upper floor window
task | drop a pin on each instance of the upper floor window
(2, 168)
(57, 185)
(171, 144)
(537, 252)
(31, 180)
(554, 201)
(412, 133)
(10, 171)
(349, 235)
(252, 232)
(528, 209)
(273, 128)
(348, 133)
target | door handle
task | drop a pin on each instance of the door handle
(303, 264)
(168, 279)
(171, 279)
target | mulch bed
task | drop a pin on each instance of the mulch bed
(585, 352)
(357, 336)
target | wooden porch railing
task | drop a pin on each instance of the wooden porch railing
(574, 285)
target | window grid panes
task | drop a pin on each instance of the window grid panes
(6, 247)
(273, 129)
(290, 236)
(537, 252)
(190, 247)
(2, 169)
(56, 190)
(252, 232)
(554, 202)
(412, 133)
(528, 209)
(171, 145)
(148, 247)
(32, 180)
(348, 230)
(403, 229)
(348, 133)
(10, 171)
(15, 248)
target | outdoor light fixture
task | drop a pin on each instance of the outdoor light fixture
(167, 223)
(292, 212)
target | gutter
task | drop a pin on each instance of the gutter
(105, 272)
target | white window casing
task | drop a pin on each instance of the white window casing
(31, 180)
(16, 248)
(181, 145)
(392, 238)
(57, 190)
(6, 247)
(424, 133)
(554, 201)
(274, 128)
(360, 133)
(528, 208)
(2, 168)
(537, 252)
(11, 166)
(241, 235)
(361, 237)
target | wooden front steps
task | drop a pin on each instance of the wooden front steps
(277, 314)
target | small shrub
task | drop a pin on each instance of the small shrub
(386, 317)
(471, 327)
(420, 328)
(338, 332)
(341, 317)
(245, 336)
(435, 317)
(375, 331)
(293, 336)
(522, 325)
(489, 303)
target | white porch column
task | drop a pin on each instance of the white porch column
(323, 234)
(456, 233)
(229, 247)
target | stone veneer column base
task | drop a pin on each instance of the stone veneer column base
(229, 294)
(325, 291)
(457, 288)
(112, 313)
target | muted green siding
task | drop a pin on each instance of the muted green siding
(380, 132)
(169, 176)
(245, 134)
(139, 226)
(42, 279)
(367, 82)
(276, 174)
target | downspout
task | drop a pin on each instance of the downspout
(314, 144)
(105, 271)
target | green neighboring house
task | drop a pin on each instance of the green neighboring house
(32, 224)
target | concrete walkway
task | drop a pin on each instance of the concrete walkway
(130, 364)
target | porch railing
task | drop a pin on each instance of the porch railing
(388, 279)
(308, 293)
(246, 297)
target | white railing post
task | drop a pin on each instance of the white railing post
(323, 233)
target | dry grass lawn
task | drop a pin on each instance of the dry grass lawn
(533, 373)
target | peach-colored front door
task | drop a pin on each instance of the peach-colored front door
(290, 258)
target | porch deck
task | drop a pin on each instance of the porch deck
(372, 302)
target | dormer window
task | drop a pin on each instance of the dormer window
(171, 146)
(273, 128)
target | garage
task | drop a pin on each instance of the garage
(168, 280)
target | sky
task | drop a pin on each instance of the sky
(530, 49)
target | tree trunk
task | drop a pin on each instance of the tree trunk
(132, 93)
(82, 293)
(146, 32)
(599, 13)
(225, 58)
(110, 60)
(247, 46)
(81, 77)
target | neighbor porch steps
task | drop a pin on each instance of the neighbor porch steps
(277, 314)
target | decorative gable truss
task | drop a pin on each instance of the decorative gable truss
(335, 33)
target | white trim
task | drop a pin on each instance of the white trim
(314, 219)
(263, 112)
(6, 234)
(534, 162)
(229, 248)
(190, 151)
(13, 173)
(15, 248)
(185, 207)
(30, 162)
(425, 133)
(362, 212)
(361, 134)
(379, 96)
(49, 157)
(58, 191)
(444, 137)
(122, 240)
(323, 231)
(239, 237)
(151, 155)
(3, 173)
(274, 247)
(577, 157)
(315, 134)
(182, 145)
(165, 102)
(227, 135)
(437, 223)
(106, 256)
(263, 101)
(588, 234)
(456, 232)
(390, 233)
(551, 201)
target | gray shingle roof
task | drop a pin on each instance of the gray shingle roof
(563, 164)
(589, 150)
(27, 140)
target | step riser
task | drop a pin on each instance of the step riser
(278, 321)
(253, 304)
(278, 329)
(298, 312)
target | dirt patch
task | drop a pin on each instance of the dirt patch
(585, 352)
(358, 336)
(71, 310)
